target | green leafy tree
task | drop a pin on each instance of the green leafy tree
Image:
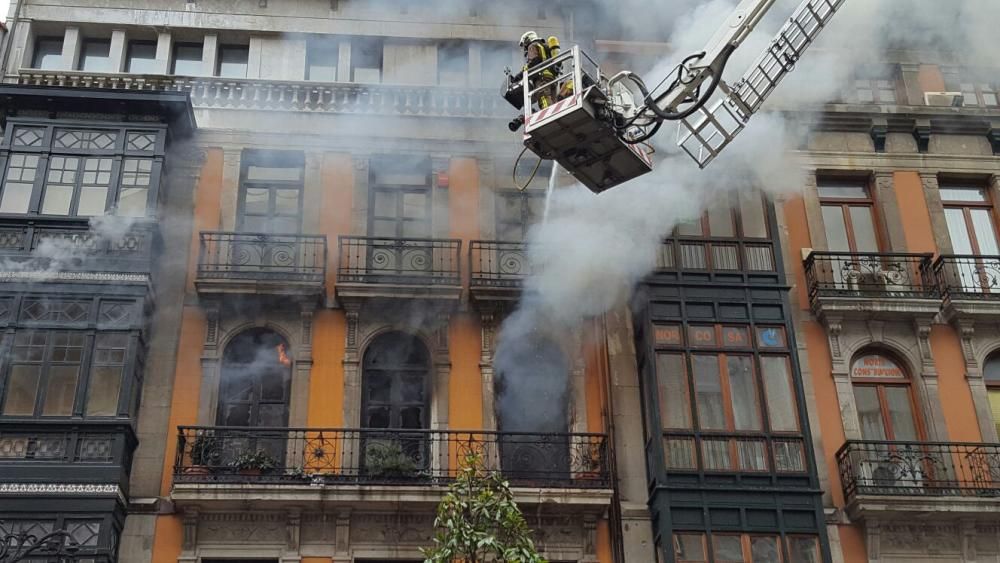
(479, 521)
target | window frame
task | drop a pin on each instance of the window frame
(979, 89)
(736, 221)
(89, 42)
(45, 150)
(376, 45)
(846, 204)
(418, 166)
(270, 159)
(232, 48)
(129, 53)
(395, 374)
(968, 206)
(524, 199)
(176, 47)
(880, 385)
(317, 46)
(53, 39)
(782, 541)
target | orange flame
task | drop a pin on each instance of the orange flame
(282, 357)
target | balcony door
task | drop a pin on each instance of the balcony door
(396, 399)
(399, 218)
(269, 210)
(254, 389)
(849, 222)
(971, 227)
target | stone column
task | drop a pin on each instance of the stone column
(71, 48)
(888, 208)
(933, 411)
(231, 157)
(209, 54)
(440, 393)
(439, 199)
(164, 52)
(210, 357)
(814, 213)
(299, 400)
(489, 328)
(842, 380)
(935, 208)
(344, 61)
(117, 53)
(974, 376)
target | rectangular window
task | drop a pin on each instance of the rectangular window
(187, 59)
(689, 548)
(453, 63)
(141, 57)
(104, 387)
(803, 549)
(270, 199)
(745, 548)
(776, 373)
(848, 215)
(57, 197)
(48, 53)
(494, 57)
(399, 199)
(95, 55)
(233, 61)
(675, 405)
(133, 196)
(19, 184)
(366, 60)
(516, 213)
(322, 57)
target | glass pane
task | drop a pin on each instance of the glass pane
(235, 414)
(803, 549)
(384, 228)
(271, 415)
(864, 229)
(778, 390)
(256, 201)
(771, 337)
(843, 191)
(743, 392)
(377, 388)
(385, 203)
(689, 547)
(994, 395)
(727, 549)
(104, 387)
(187, 59)
(411, 417)
(273, 384)
(411, 388)
(764, 550)
(57, 200)
(675, 408)
(957, 231)
(982, 224)
(132, 202)
(708, 392)
(976, 195)
(836, 229)
(233, 61)
(48, 54)
(280, 173)
(22, 389)
(93, 200)
(752, 215)
(416, 229)
(690, 229)
(95, 56)
(720, 222)
(869, 412)
(283, 225)
(16, 197)
(254, 224)
(991, 369)
(415, 205)
(60, 390)
(904, 426)
(141, 57)
(286, 201)
(325, 71)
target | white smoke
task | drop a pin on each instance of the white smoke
(63, 250)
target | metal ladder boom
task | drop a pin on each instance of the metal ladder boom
(704, 134)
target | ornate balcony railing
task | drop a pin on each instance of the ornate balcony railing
(837, 274)
(262, 257)
(968, 276)
(919, 468)
(386, 457)
(53, 246)
(734, 453)
(722, 256)
(399, 261)
(498, 264)
(319, 97)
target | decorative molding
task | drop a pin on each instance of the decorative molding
(102, 277)
(392, 529)
(242, 527)
(922, 134)
(32, 489)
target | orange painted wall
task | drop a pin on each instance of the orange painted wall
(168, 539)
(852, 542)
(595, 376)
(956, 397)
(913, 213)
(465, 389)
(337, 181)
(830, 422)
(930, 79)
(798, 237)
(207, 207)
(326, 383)
(463, 204)
(603, 546)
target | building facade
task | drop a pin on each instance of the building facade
(255, 257)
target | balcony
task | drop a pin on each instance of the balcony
(970, 285)
(857, 285)
(261, 263)
(365, 466)
(66, 452)
(497, 270)
(386, 267)
(51, 250)
(951, 480)
(717, 261)
(313, 97)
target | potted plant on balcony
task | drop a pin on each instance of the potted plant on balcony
(254, 462)
(385, 459)
(201, 454)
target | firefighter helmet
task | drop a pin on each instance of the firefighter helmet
(528, 38)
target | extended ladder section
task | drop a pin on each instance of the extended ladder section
(708, 131)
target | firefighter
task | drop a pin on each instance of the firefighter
(537, 51)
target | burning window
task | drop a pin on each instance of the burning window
(395, 388)
(255, 380)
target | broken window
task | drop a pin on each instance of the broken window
(366, 60)
(322, 56)
(453, 63)
(395, 389)
(516, 212)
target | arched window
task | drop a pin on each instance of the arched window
(255, 380)
(395, 383)
(884, 398)
(991, 373)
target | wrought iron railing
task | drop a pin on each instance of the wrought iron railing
(322, 97)
(968, 276)
(870, 467)
(73, 245)
(840, 274)
(403, 261)
(498, 264)
(373, 456)
(262, 257)
(734, 453)
(722, 255)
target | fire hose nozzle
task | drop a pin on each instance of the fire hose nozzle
(516, 123)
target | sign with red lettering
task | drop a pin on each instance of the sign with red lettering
(701, 335)
(736, 336)
(669, 335)
(877, 367)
